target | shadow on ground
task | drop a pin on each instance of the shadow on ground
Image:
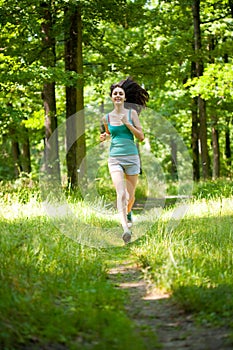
(161, 321)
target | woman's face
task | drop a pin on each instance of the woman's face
(118, 95)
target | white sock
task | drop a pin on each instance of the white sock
(126, 229)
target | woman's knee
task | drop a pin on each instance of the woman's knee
(121, 195)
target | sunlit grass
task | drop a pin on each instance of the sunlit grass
(55, 291)
(194, 261)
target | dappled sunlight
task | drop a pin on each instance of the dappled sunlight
(203, 208)
(207, 208)
(16, 209)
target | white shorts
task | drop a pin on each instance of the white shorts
(130, 165)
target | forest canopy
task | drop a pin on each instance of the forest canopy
(58, 58)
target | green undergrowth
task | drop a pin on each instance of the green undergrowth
(193, 260)
(55, 293)
(219, 188)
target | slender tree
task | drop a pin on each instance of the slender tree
(75, 126)
(16, 153)
(216, 148)
(201, 101)
(26, 154)
(48, 94)
(228, 152)
(215, 126)
(195, 131)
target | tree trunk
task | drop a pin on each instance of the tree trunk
(75, 126)
(203, 139)
(215, 132)
(26, 158)
(227, 130)
(228, 144)
(195, 132)
(216, 151)
(231, 7)
(173, 158)
(16, 156)
(15, 149)
(201, 102)
(52, 164)
(195, 144)
(81, 142)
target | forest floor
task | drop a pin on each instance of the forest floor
(155, 314)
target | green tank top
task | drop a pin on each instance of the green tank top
(122, 139)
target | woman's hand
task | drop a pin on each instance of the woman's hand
(124, 119)
(103, 137)
(135, 128)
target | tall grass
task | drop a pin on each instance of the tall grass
(54, 292)
(194, 262)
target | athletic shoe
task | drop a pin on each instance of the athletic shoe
(126, 237)
(129, 219)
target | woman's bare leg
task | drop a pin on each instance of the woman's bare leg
(131, 183)
(118, 179)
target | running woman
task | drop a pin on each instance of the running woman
(123, 126)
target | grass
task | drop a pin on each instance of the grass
(56, 293)
(194, 262)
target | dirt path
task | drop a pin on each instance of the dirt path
(156, 315)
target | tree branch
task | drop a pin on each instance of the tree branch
(214, 19)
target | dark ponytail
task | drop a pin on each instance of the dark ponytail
(136, 96)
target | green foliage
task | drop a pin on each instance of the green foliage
(23, 190)
(215, 83)
(152, 41)
(194, 260)
(55, 292)
(214, 189)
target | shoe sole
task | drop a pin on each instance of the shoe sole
(126, 237)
